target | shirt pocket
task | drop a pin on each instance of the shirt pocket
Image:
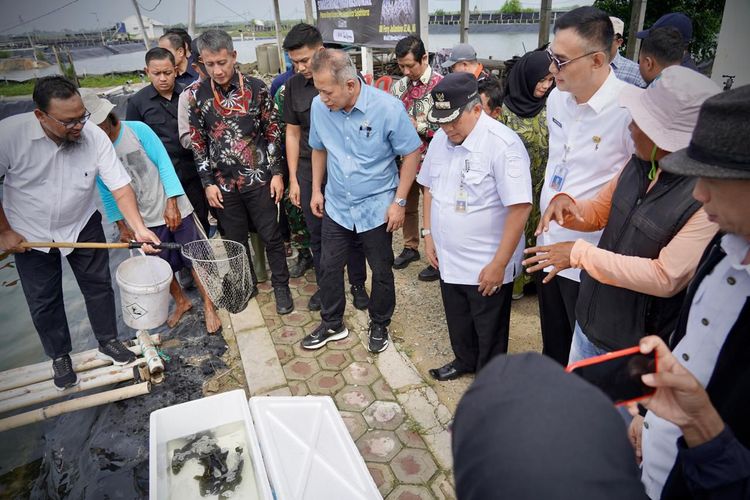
(476, 173)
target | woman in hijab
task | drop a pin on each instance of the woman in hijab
(524, 111)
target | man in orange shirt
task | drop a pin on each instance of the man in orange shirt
(633, 282)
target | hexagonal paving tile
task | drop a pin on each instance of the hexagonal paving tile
(265, 286)
(413, 466)
(308, 289)
(345, 344)
(300, 303)
(273, 323)
(334, 360)
(383, 391)
(354, 398)
(409, 437)
(378, 446)
(301, 352)
(301, 368)
(263, 298)
(325, 383)
(297, 318)
(288, 335)
(298, 388)
(354, 422)
(361, 373)
(269, 310)
(442, 487)
(284, 352)
(384, 415)
(410, 492)
(360, 353)
(295, 282)
(382, 476)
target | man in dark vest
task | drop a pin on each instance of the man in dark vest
(633, 281)
(695, 442)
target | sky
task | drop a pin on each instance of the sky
(77, 15)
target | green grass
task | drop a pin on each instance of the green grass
(10, 89)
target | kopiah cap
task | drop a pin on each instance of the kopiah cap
(460, 52)
(450, 96)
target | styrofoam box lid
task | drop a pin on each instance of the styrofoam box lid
(194, 416)
(308, 452)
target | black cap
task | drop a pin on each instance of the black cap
(450, 95)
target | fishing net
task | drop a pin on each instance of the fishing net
(223, 270)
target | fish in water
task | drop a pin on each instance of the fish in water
(218, 477)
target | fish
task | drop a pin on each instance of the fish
(218, 477)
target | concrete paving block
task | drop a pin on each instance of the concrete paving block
(334, 360)
(410, 492)
(419, 408)
(301, 368)
(383, 391)
(326, 382)
(382, 476)
(354, 422)
(413, 466)
(361, 373)
(281, 391)
(296, 318)
(259, 360)
(354, 398)
(439, 444)
(385, 415)
(285, 353)
(288, 335)
(443, 488)
(409, 437)
(378, 446)
(248, 319)
(298, 388)
(398, 372)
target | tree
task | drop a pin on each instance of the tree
(511, 7)
(706, 16)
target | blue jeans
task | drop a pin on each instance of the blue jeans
(582, 348)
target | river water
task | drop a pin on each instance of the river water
(500, 45)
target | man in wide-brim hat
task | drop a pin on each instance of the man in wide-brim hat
(695, 439)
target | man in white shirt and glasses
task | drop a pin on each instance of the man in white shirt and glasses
(589, 143)
(51, 158)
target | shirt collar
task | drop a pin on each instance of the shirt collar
(736, 248)
(616, 61)
(425, 78)
(473, 141)
(153, 93)
(37, 132)
(361, 103)
(603, 95)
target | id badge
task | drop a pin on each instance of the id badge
(558, 177)
(461, 199)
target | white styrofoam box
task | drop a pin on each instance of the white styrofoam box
(308, 452)
(184, 419)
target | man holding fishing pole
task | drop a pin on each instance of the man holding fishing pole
(50, 159)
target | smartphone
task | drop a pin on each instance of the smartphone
(618, 373)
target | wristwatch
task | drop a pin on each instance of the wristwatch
(401, 202)
(424, 232)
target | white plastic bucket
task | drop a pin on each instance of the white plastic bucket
(144, 291)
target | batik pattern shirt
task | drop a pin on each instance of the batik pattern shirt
(235, 134)
(418, 102)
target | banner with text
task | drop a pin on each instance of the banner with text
(374, 23)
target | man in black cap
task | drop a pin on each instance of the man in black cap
(685, 26)
(525, 429)
(463, 59)
(475, 208)
(696, 442)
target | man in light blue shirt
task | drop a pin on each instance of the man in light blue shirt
(356, 132)
(625, 69)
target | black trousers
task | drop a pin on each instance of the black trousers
(197, 197)
(478, 326)
(41, 280)
(336, 248)
(557, 308)
(355, 265)
(255, 208)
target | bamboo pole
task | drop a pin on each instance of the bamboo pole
(82, 361)
(74, 404)
(46, 391)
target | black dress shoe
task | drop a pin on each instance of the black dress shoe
(304, 262)
(360, 298)
(315, 304)
(407, 256)
(447, 372)
(429, 273)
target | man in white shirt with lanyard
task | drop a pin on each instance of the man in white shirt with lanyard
(51, 158)
(589, 143)
(475, 208)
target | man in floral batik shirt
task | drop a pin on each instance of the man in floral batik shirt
(236, 140)
(414, 91)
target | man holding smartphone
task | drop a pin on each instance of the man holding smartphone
(696, 441)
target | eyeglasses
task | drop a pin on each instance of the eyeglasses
(70, 124)
(561, 64)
